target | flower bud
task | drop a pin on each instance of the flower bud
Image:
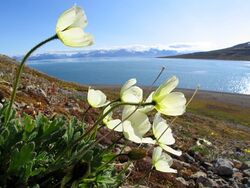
(137, 154)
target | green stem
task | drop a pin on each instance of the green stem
(96, 129)
(19, 72)
(86, 111)
(146, 174)
(97, 141)
(104, 115)
(96, 124)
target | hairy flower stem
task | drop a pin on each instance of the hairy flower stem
(85, 112)
(104, 115)
(146, 174)
(157, 77)
(86, 133)
(96, 128)
(97, 141)
(101, 168)
(19, 72)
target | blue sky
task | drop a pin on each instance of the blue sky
(206, 24)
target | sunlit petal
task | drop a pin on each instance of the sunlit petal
(170, 150)
(75, 37)
(115, 124)
(69, 28)
(96, 98)
(172, 104)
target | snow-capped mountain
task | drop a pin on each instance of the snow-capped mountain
(125, 51)
(152, 52)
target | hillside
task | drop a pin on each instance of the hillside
(238, 52)
(217, 117)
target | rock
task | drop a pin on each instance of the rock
(221, 183)
(238, 175)
(237, 164)
(208, 165)
(205, 182)
(245, 165)
(38, 91)
(236, 185)
(188, 158)
(246, 182)
(246, 172)
(199, 174)
(195, 155)
(191, 183)
(202, 168)
(182, 181)
(180, 164)
(42, 93)
(235, 170)
(210, 174)
(224, 167)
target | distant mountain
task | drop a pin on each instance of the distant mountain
(238, 52)
(123, 52)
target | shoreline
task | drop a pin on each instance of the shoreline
(200, 93)
(174, 57)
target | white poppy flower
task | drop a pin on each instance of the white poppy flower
(166, 138)
(148, 108)
(136, 125)
(131, 93)
(110, 122)
(69, 28)
(96, 98)
(168, 103)
(162, 161)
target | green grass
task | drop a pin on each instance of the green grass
(221, 111)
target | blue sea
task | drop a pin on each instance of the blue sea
(213, 75)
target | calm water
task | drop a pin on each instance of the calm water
(226, 76)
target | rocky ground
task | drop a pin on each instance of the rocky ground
(224, 163)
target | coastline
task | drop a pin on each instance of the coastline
(231, 107)
(212, 59)
(225, 97)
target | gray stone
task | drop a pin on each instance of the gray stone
(182, 181)
(246, 182)
(208, 165)
(188, 158)
(235, 170)
(246, 172)
(199, 174)
(245, 165)
(210, 174)
(238, 175)
(221, 182)
(191, 183)
(237, 163)
(224, 167)
(204, 182)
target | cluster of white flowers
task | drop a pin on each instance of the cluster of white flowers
(134, 122)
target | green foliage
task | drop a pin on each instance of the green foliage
(41, 152)
(203, 150)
